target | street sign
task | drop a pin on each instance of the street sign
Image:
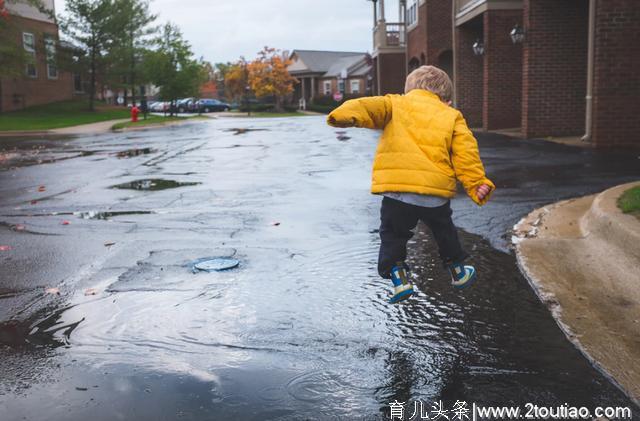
(337, 97)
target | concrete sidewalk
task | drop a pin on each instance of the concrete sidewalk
(582, 256)
(82, 129)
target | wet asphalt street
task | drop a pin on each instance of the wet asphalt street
(301, 329)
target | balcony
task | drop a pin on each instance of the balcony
(469, 9)
(465, 5)
(388, 36)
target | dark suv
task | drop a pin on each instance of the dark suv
(210, 105)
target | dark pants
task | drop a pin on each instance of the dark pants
(398, 219)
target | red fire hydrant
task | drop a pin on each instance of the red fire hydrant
(134, 114)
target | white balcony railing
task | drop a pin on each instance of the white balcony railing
(388, 35)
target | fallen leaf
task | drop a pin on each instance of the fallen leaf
(42, 188)
(65, 222)
(90, 291)
(5, 248)
(53, 291)
(33, 202)
(108, 244)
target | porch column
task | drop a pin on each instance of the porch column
(555, 67)
(502, 96)
(303, 81)
(469, 73)
(313, 88)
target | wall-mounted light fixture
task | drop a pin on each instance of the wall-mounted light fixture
(517, 34)
(478, 47)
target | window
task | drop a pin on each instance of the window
(412, 14)
(326, 87)
(341, 85)
(355, 86)
(77, 83)
(50, 49)
(29, 43)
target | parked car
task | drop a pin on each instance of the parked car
(159, 107)
(186, 105)
(211, 105)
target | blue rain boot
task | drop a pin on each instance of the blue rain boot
(462, 276)
(402, 289)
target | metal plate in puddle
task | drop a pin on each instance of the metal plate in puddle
(216, 264)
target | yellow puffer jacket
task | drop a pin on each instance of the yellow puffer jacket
(425, 146)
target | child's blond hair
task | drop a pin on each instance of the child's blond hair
(431, 79)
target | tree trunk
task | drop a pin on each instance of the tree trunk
(279, 108)
(92, 87)
(132, 72)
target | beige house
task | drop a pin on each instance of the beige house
(324, 73)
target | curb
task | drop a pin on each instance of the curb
(573, 254)
(549, 300)
(607, 221)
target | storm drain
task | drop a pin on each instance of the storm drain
(215, 264)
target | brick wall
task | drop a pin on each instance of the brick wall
(22, 91)
(616, 103)
(555, 67)
(469, 72)
(502, 97)
(417, 36)
(438, 29)
(393, 72)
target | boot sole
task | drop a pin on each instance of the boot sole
(468, 283)
(401, 297)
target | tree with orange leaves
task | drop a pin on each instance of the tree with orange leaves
(236, 79)
(268, 76)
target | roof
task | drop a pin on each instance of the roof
(43, 11)
(318, 61)
(349, 64)
(330, 63)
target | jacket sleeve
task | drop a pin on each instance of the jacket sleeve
(466, 161)
(370, 112)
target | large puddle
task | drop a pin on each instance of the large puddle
(280, 344)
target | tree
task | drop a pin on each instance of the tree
(131, 29)
(220, 73)
(268, 75)
(236, 79)
(88, 24)
(172, 67)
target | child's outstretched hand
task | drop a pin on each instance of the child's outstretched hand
(340, 123)
(482, 191)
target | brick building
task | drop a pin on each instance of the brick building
(42, 81)
(389, 50)
(541, 67)
(323, 73)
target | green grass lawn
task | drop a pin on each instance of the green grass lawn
(151, 120)
(629, 202)
(59, 114)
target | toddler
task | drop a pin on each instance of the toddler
(424, 148)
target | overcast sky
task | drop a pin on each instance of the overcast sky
(223, 30)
